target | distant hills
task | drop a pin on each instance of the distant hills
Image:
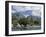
(25, 18)
(25, 14)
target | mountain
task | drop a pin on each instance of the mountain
(18, 15)
(26, 14)
(34, 17)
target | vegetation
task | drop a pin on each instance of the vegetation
(25, 21)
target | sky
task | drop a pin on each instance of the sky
(35, 11)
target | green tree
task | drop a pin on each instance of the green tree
(14, 23)
(36, 22)
(23, 21)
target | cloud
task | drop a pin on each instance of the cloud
(35, 9)
(36, 13)
(20, 8)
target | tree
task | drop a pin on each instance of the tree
(14, 23)
(23, 21)
(36, 22)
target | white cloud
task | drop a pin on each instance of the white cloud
(13, 11)
(28, 8)
(21, 8)
(36, 13)
(35, 9)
